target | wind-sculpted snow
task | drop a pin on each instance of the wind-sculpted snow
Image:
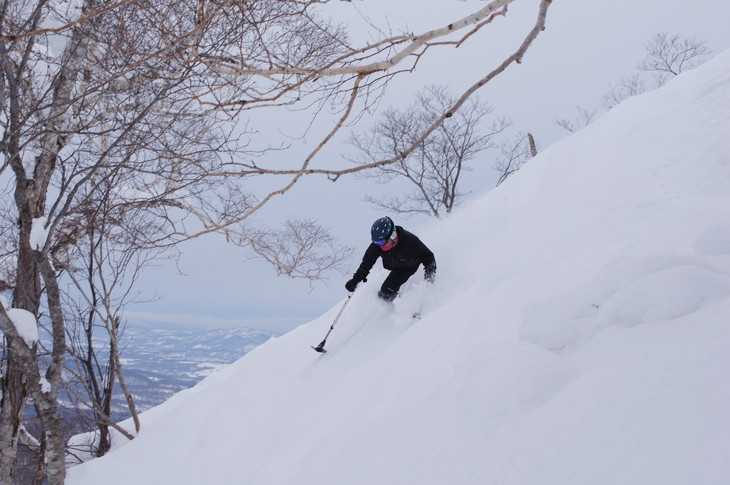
(714, 241)
(578, 333)
(626, 294)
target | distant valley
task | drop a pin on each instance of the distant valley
(158, 363)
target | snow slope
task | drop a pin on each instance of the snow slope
(579, 333)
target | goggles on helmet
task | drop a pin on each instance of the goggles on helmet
(383, 242)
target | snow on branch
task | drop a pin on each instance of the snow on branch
(20, 323)
(38, 233)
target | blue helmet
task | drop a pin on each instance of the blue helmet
(382, 229)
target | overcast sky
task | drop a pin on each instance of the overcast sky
(588, 45)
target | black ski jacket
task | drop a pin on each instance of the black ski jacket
(407, 254)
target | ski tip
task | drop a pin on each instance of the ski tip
(319, 349)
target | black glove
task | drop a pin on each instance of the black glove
(430, 272)
(351, 285)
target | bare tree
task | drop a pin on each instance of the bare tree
(666, 56)
(435, 168)
(585, 117)
(624, 89)
(514, 154)
(134, 100)
(669, 55)
(296, 248)
(65, 125)
(105, 266)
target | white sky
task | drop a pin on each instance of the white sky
(592, 348)
(587, 45)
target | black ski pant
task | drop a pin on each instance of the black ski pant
(394, 281)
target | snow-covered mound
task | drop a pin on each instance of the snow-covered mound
(578, 333)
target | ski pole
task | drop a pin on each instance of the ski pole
(320, 347)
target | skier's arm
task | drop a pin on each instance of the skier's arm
(368, 260)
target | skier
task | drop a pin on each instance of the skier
(402, 253)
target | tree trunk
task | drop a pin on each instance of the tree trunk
(46, 400)
(533, 146)
(14, 383)
(55, 453)
(120, 375)
(12, 410)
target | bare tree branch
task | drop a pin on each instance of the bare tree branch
(516, 57)
(434, 170)
(670, 55)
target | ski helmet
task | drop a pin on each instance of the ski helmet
(382, 229)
